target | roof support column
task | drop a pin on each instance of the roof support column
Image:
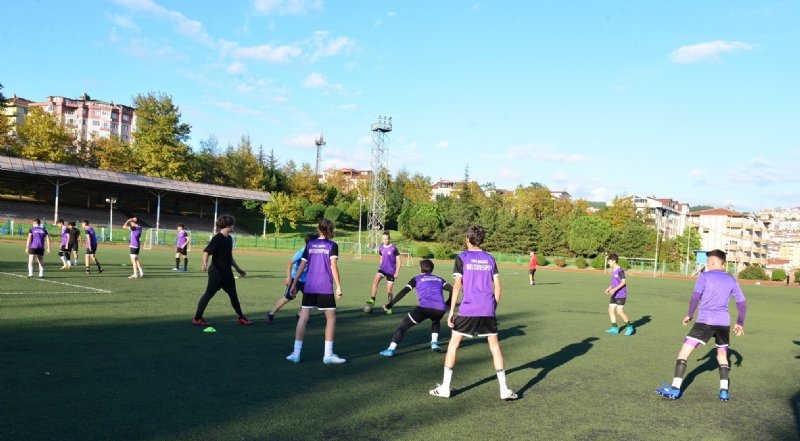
(58, 187)
(216, 208)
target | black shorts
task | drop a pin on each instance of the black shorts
(288, 293)
(702, 333)
(63, 249)
(91, 251)
(36, 252)
(389, 277)
(134, 251)
(472, 326)
(619, 301)
(420, 314)
(181, 250)
(532, 272)
(323, 302)
(72, 247)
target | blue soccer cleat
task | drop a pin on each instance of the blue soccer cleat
(724, 395)
(435, 347)
(629, 330)
(612, 330)
(387, 353)
(668, 391)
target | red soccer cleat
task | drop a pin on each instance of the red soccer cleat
(244, 321)
(200, 322)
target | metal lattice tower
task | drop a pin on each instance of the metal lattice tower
(380, 170)
(320, 142)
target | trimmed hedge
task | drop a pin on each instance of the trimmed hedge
(753, 272)
(561, 262)
(599, 262)
(778, 275)
(442, 252)
(423, 252)
(581, 263)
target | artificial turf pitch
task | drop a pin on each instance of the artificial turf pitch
(77, 363)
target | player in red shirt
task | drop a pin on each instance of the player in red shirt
(532, 268)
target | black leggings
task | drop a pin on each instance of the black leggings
(217, 280)
(407, 324)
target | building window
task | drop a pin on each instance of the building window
(96, 123)
(125, 117)
(114, 125)
(124, 127)
(125, 138)
(105, 113)
(96, 113)
(106, 124)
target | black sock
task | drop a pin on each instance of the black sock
(177, 262)
(680, 368)
(185, 262)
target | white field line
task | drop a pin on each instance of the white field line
(97, 290)
(42, 293)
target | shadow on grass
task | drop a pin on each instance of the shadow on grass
(797, 342)
(547, 364)
(641, 322)
(709, 365)
(546, 283)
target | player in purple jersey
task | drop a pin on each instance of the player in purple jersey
(321, 256)
(182, 247)
(37, 243)
(618, 290)
(291, 271)
(133, 226)
(712, 292)
(389, 268)
(431, 305)
(63, 253)
(476, 272)
(91, 247)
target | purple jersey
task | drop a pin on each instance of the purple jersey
(477, 270)
(712, 292)
(91, 238)
(136, 235)
(617, 276)
(38, 236)
(64, 236)
(388, 259)
(183, 238)
(429, 291)
(318, 255)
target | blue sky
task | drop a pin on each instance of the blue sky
(697, 101)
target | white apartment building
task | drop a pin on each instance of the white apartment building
(745, 238)
(667, 214)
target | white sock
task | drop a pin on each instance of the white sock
(501, 378)
(723, 384)
(448, 375)
(434, 337)
(298, 346)
(30, 269)
(328, 348)
(392, 346)
(64, 260)
(676, 382)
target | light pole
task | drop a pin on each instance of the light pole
(658, 236)
(360, 215)
(688, 244)
(111, 202)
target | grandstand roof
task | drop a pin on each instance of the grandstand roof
(49, 169)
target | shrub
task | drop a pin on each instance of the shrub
(561, 262)
(332, 213)
(797, 276)
(313, 212)
(423, 252)
(543, 261)
(581, 263)
(599, 262)
(753, 272)
(623, 262)
(778, 275)
(442, 252)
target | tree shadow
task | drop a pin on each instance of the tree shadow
(547, 364)
(797, 342)
(795, 402)
(709, 365)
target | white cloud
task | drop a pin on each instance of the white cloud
(183, 25)
(286, 7)
(147, 50)
(317, 81)
(236, 68)
(697, 173)
(710, 50)
(365, 140)
(265, 52)
(391, 14)
(443, 144)
(543, 152)
(302, 141)
(350, 106)
(123, 22)
(323, 45)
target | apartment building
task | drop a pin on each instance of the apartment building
(667, 214)
(744, 237)
(16, 109)
(790, 251)
(352, 177)
(90, 118)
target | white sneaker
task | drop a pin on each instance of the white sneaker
(141, 275)
(134, 276)
(333, 359)
(293, 358)
(440, 391)
(508, 395)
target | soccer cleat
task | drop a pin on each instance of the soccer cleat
(294, 358)
(387, 353)
(440, 391)
(629, 330)
(270, 319)
(63, 267)
(244, 321)
(175, 269)
(333, 359)
(87, 271)
(508, 395)
(141, 275)
(184, 270)
(612, 330)
(435, 347)
(724, 395)
(389, 311)
(200, 322)
(30, 276)
(668, 391)
(99, 269)
(134, 276)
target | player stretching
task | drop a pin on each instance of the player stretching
(132, 224)
(712, 292)
(389, 268)
(291, 272)
(91, 247)
(321, 256)
(431, 305)
(73, 242)
(476, 272)
(63, 253)
(619, 294)
(220, 276)
(532, 268)
(36, 245)
(182, 249)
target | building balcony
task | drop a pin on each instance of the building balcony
(735, 224)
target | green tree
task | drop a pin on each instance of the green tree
(634, 240)
(160, 137)
(206, 165)
(280, 210)
(7, 145)
(43, 137)
(420, 221)
(620, 213)
(553, 237)
(417, 189)
(242, 168)
(304, 183)
(696, 208)
(113, 154)
(588, 234)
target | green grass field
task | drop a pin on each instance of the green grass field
(78, 363)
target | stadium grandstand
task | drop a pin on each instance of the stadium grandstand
(31, 189)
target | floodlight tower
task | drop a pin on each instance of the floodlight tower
(380, 168)
(320, 142)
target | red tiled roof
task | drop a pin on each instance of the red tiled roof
(717, 212)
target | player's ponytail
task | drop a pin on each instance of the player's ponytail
(325, 227)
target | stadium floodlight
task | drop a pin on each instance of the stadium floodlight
(111, 202)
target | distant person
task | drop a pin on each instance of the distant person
(91, 247)
(618, 290)
(182, 247)
(73, 243)
(133, 226)
(63, 253)
(291, 271)
(388, 269)
(787, 279)
(476, 272)
(430, 305)
(532, 265)
(36, 245)
(322, 258)
(220, 276)
(712, 292)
